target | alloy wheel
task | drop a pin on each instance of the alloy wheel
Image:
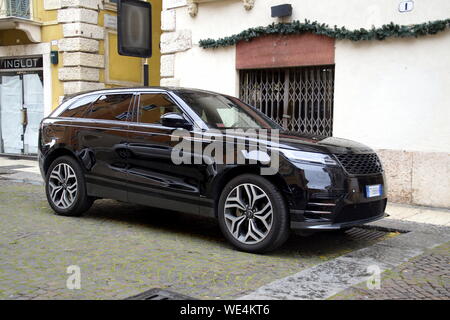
(248, 213)
(63, 186)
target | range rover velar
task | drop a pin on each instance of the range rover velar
(119, 144)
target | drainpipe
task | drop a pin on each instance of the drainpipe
(146, 72)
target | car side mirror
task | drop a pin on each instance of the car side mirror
(175, 120)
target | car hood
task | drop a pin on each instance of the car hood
(296, 141)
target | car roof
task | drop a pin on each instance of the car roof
(153, 88)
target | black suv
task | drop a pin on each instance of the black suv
(124, 144)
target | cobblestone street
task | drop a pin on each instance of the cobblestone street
(424, 277)
(124, 249)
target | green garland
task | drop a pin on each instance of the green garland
(297, 27)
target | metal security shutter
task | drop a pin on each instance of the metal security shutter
(299, 99)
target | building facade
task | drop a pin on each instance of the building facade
(392, 95)
(53, 48)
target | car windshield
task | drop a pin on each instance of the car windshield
(223, 112)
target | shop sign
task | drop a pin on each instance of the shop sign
(20, 63)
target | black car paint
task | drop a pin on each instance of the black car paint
(130, 161)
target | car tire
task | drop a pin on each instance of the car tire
(264, 225)
(65, 187)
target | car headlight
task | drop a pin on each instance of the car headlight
(313, 157)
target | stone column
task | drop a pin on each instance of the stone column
(172, 41)
(80, 46)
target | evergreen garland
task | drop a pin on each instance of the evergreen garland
(297, 27)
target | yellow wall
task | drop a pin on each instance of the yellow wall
(129, 69)
(39, 14)
(53, 32)
(126, 64)
(155, 60)
(123, 71)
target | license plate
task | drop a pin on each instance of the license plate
(374, 190)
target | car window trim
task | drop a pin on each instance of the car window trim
(157, 125)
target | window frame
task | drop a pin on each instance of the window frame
(170, 97)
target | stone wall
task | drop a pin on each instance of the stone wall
(172, 41)
(179, 39)
(418, 178)
(80, 46)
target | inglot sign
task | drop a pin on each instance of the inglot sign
(20, 63)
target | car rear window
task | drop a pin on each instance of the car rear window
(77, 108)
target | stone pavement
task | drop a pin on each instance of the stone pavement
(426, 276)
(329, 278)
(123, 249)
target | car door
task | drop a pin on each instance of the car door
(154, 179)
(100, 139)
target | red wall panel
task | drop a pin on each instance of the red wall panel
(276, 51)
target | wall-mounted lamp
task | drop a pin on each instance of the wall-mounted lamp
(282, 10)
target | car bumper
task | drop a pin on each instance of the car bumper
(331, 199)
(296, 225)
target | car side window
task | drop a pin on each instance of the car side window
(111, 107)
(79, 108)
(153, 105)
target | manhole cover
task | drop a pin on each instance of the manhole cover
(370, 233)
(364, 234)
(159, 294)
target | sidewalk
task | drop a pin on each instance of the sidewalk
(21, 170)
(28, 171)
(404, 212)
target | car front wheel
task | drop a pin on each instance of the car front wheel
(252, 214)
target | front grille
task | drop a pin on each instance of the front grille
(361, 211)
(360, 163)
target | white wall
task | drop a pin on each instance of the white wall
(195, 70)
(226, 17)
(391, 94)
(394, 94)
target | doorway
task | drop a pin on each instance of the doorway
(21, 110)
